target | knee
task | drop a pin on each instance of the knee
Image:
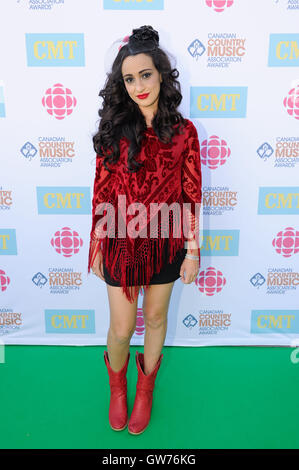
(122, 334)
(154, 319)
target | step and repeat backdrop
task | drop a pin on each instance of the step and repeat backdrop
(239, 74)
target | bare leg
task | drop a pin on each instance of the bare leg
(155, 309)
(122, 326)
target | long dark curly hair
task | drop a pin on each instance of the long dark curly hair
(121, 116)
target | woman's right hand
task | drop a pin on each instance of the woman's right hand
(97, 267)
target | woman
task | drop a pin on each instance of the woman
(153, 156)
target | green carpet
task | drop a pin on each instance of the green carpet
(57, 397)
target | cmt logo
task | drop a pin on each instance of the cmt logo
(2, 106)
(220, 243)
(278, 200)
(70, 321)
(133, 4)
(63, 200)
(218, 102)
(55, 49)
(283, 50)
(274, 321)
(8, 242)
(219, 5)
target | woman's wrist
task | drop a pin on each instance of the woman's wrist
(193, 252)
(189, 256)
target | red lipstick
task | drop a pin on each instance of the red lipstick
(142, 97)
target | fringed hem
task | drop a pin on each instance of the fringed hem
(137, 272)
(140, 270)
(95, 245)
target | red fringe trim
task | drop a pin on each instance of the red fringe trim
(141, 268)
(95, 246)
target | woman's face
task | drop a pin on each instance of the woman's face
(142, 78)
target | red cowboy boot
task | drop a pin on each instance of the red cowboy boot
(118, 411)
(141, 413)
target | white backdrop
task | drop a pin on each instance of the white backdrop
(238, 62)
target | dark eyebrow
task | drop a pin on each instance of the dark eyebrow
(139, 72)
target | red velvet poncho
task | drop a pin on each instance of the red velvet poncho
(171, 174)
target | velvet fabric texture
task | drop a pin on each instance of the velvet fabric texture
(171, 174)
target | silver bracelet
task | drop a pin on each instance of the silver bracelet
(188, 256)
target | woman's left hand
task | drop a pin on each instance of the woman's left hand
(189, 270)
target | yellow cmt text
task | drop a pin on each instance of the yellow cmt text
(287, 50)
(214, 103)
(66, 322)
(278, 200)
(214, 243)
(3, 241)
(49, 50)
(70, 200)
(269, 321)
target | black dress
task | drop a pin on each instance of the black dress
(170, 271)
